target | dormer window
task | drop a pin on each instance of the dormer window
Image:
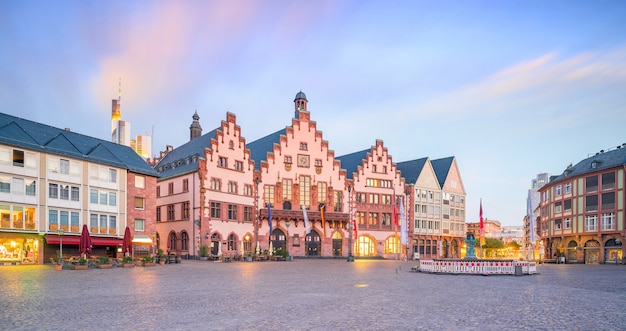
(594, 164)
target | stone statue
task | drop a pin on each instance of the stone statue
(470, 240)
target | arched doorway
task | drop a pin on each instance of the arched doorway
(313, 244)
(571, 251)
(215, 244)
(365, 246)
(247, 244)
(613, 251)
(171, 242)
(337, 243)
(392, 245)
(592, 252)
(278, 239)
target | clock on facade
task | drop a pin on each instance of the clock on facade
(303, 160)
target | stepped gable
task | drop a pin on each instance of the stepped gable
(264, 150)
(43, 138)
(224, 131)
(355, 162)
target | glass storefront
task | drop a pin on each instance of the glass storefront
(19, 249)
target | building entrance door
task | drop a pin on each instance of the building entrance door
(313, 244)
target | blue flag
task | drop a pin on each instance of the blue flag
(269, 217)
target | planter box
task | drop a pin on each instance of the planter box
(148, 264)
(80, 267)
(105, 266)
(58, 267)
(128, 265)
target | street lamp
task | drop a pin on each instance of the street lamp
(258, 215)
(350, 257)
(153, 242)
(60, 233)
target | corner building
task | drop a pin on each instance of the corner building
(205, 194)
(54, 181)
(582, 210)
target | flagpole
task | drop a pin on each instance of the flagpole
(395, 221)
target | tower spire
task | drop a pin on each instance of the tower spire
(119, 93)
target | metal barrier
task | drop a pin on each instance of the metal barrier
(478, 267)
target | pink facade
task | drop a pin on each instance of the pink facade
(233, 187)
(377, 188)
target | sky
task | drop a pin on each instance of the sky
(510, 88)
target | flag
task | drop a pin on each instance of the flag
(307, 227)
(482, 225)
(356, 233)
(395, 213)
(322, 207)
(403, 229)
(269, 217)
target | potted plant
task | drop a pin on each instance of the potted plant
(204, 252)
(147, 261)
(81, 264)
(249, 257)
(127, 262)
(104, 262)
(160, 256)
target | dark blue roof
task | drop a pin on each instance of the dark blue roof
(442, 168)
(260, 147)
(184, 158)
(351, 162)
(602, 160)
(411, 170)
(300, 95)
(19, 132)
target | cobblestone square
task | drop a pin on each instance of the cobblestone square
(310, 295)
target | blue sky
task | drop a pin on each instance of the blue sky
(510, 88)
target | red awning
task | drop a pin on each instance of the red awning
(75, 240)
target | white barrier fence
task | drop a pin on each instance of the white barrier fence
(478, 267)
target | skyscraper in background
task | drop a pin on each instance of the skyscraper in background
(121, 133)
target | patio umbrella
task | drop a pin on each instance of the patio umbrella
(127, 245)
(84, 246)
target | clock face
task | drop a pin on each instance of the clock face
(303, 161)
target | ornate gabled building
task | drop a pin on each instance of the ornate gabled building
(582, 210)
(288, 191)
(297, 175)
(376, 188)
(205, 194)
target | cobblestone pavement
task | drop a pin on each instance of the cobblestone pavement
(309, 295)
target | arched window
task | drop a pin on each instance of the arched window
(392, 245)
(184, 241)
(232, 242)
(171, 242)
